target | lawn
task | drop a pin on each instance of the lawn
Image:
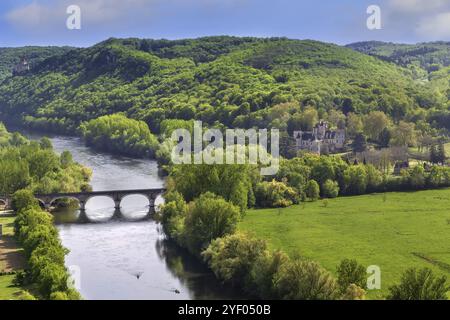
(394, 231)
(7, 290)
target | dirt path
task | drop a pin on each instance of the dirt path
(11, 255)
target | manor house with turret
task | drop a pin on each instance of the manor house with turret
(321, 139)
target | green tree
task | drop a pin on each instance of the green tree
(359, 144)
(374, 123)
(354, 124)
(305, 280)
(330, 189)
(264, 271)
(355, 179)
(419, 285)
(66, 159)
(312, 190)
(350, 272)
(22, 199)
(232, 257)
(210, 217)
(46, 143)
(417, 177)
(404, 134)
(275, 194)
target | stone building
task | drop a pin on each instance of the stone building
(22, 67)
(321, 139)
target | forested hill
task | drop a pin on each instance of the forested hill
(237, 82)
(430, 56)
(9, 57)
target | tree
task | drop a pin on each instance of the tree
(403, 135)
(350, 272)
(231, 182)
(437, 154)
(263, 273)
(336, 118)
(120, 134)
(309, 119)
(374, 123)
(210, 217)
(374, 178)
(441, 153)
(330, 189)
(354, 292)
(232, 257)
(359, 144)
(355, 178)
(305, 280)
(275, 194)
(66, 159)
(22, 199)
(46, 143)
(312, 190)
(385, 137)
(419, 285)
(417, 177)
(354, 124)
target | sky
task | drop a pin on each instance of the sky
(43, 22)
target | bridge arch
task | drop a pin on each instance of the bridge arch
(41, 203)
(53, 200)
(86, 200)
(135, 206)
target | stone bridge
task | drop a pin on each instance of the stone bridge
(48, 200)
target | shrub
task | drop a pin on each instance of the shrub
(22, 199)
(59, 296)
(312, 190)
(209, 217)
(419, 285)
(231, 258)
(172, 216)
(275, 194)
(417, 177)
(354, 292)
(305, 280)
(355, 178)
(350, 272)
(263, 273)
(330, 189)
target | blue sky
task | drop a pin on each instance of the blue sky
(43, 22)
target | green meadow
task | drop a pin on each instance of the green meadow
(394, 231)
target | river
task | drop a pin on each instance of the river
(127, 258)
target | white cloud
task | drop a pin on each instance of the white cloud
(422, 20)
(436, 27)
(46, 15)
(408, 6)
(94, 12)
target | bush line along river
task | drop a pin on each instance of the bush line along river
(127, 258)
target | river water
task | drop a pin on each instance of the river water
(127, 257)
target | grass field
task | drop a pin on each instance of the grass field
(7, 290)
(394, 231)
